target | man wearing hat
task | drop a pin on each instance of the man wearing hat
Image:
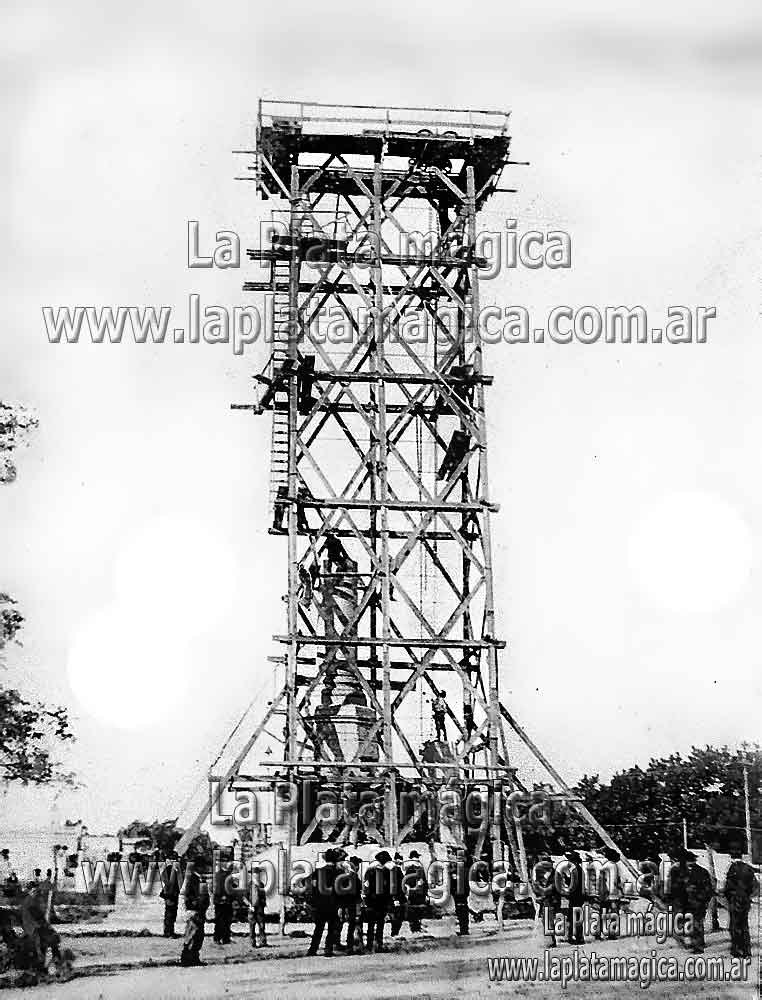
(416, 890)
(741, 885)
(170, 892)
(325, 903)
(459, 888)
(609, 895)
(573, 897)
(398, 902)
(379, 893)
(691, 890)
(544, 887)
(196, 905)
(349, 891)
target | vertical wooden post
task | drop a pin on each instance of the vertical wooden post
(489, 599)
(390, 816)
(293, 486)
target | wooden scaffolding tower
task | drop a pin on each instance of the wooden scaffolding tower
(379, 469)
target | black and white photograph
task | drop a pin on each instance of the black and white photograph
(381, 500)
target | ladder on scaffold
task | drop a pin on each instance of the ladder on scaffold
(280, 341)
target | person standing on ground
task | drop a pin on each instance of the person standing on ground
(325, 904)
(574, 897)
(378, 894)
(544, 887)
(459, 889)
(8, 878)
(38, 930)
(741, 885)
(609, 895)
(349, 891)
(417, 890)
(257, 903)
(223, 907)
(196, 905)
(697, 893)
(170, 892)
(398, 898)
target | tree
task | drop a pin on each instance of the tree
(644, 809)
(16, 423)
(164, 834)
(28, 729)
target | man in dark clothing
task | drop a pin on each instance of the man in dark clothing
(257, 903)
(741, 885)
(468, 719)
(544, 887)
(460, 379)
(397, 915)
(325, 903)
(459, 888)
(573, 898)
(609, 892)
(349, 892)
(456, 452)
(278, 383)
(170, 892)
(690, 892)
(223, 907)
(699, 891)
(37, 929)
(336, 556)
(379, 892)
(196, 905)
(416, 889)
(438, 710)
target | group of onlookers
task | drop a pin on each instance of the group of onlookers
(340, 894)
(344, 892)
(689, 890)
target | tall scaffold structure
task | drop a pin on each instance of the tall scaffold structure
(379, 478)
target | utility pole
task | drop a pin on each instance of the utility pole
(745, 764)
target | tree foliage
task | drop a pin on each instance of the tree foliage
(16, 423)
(28, 729)
(164, 834)
(643, 809)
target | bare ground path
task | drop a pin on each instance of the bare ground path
(442, 967)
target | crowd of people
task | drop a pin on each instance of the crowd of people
(687, 889)
(353, 904)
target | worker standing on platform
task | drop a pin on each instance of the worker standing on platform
(468, 719)
(438, 708)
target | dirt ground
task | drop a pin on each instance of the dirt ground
(441, 966)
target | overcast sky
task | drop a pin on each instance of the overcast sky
(627, 549)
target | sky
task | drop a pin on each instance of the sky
(627, 549)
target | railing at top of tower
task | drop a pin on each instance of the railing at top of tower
(463, 122)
